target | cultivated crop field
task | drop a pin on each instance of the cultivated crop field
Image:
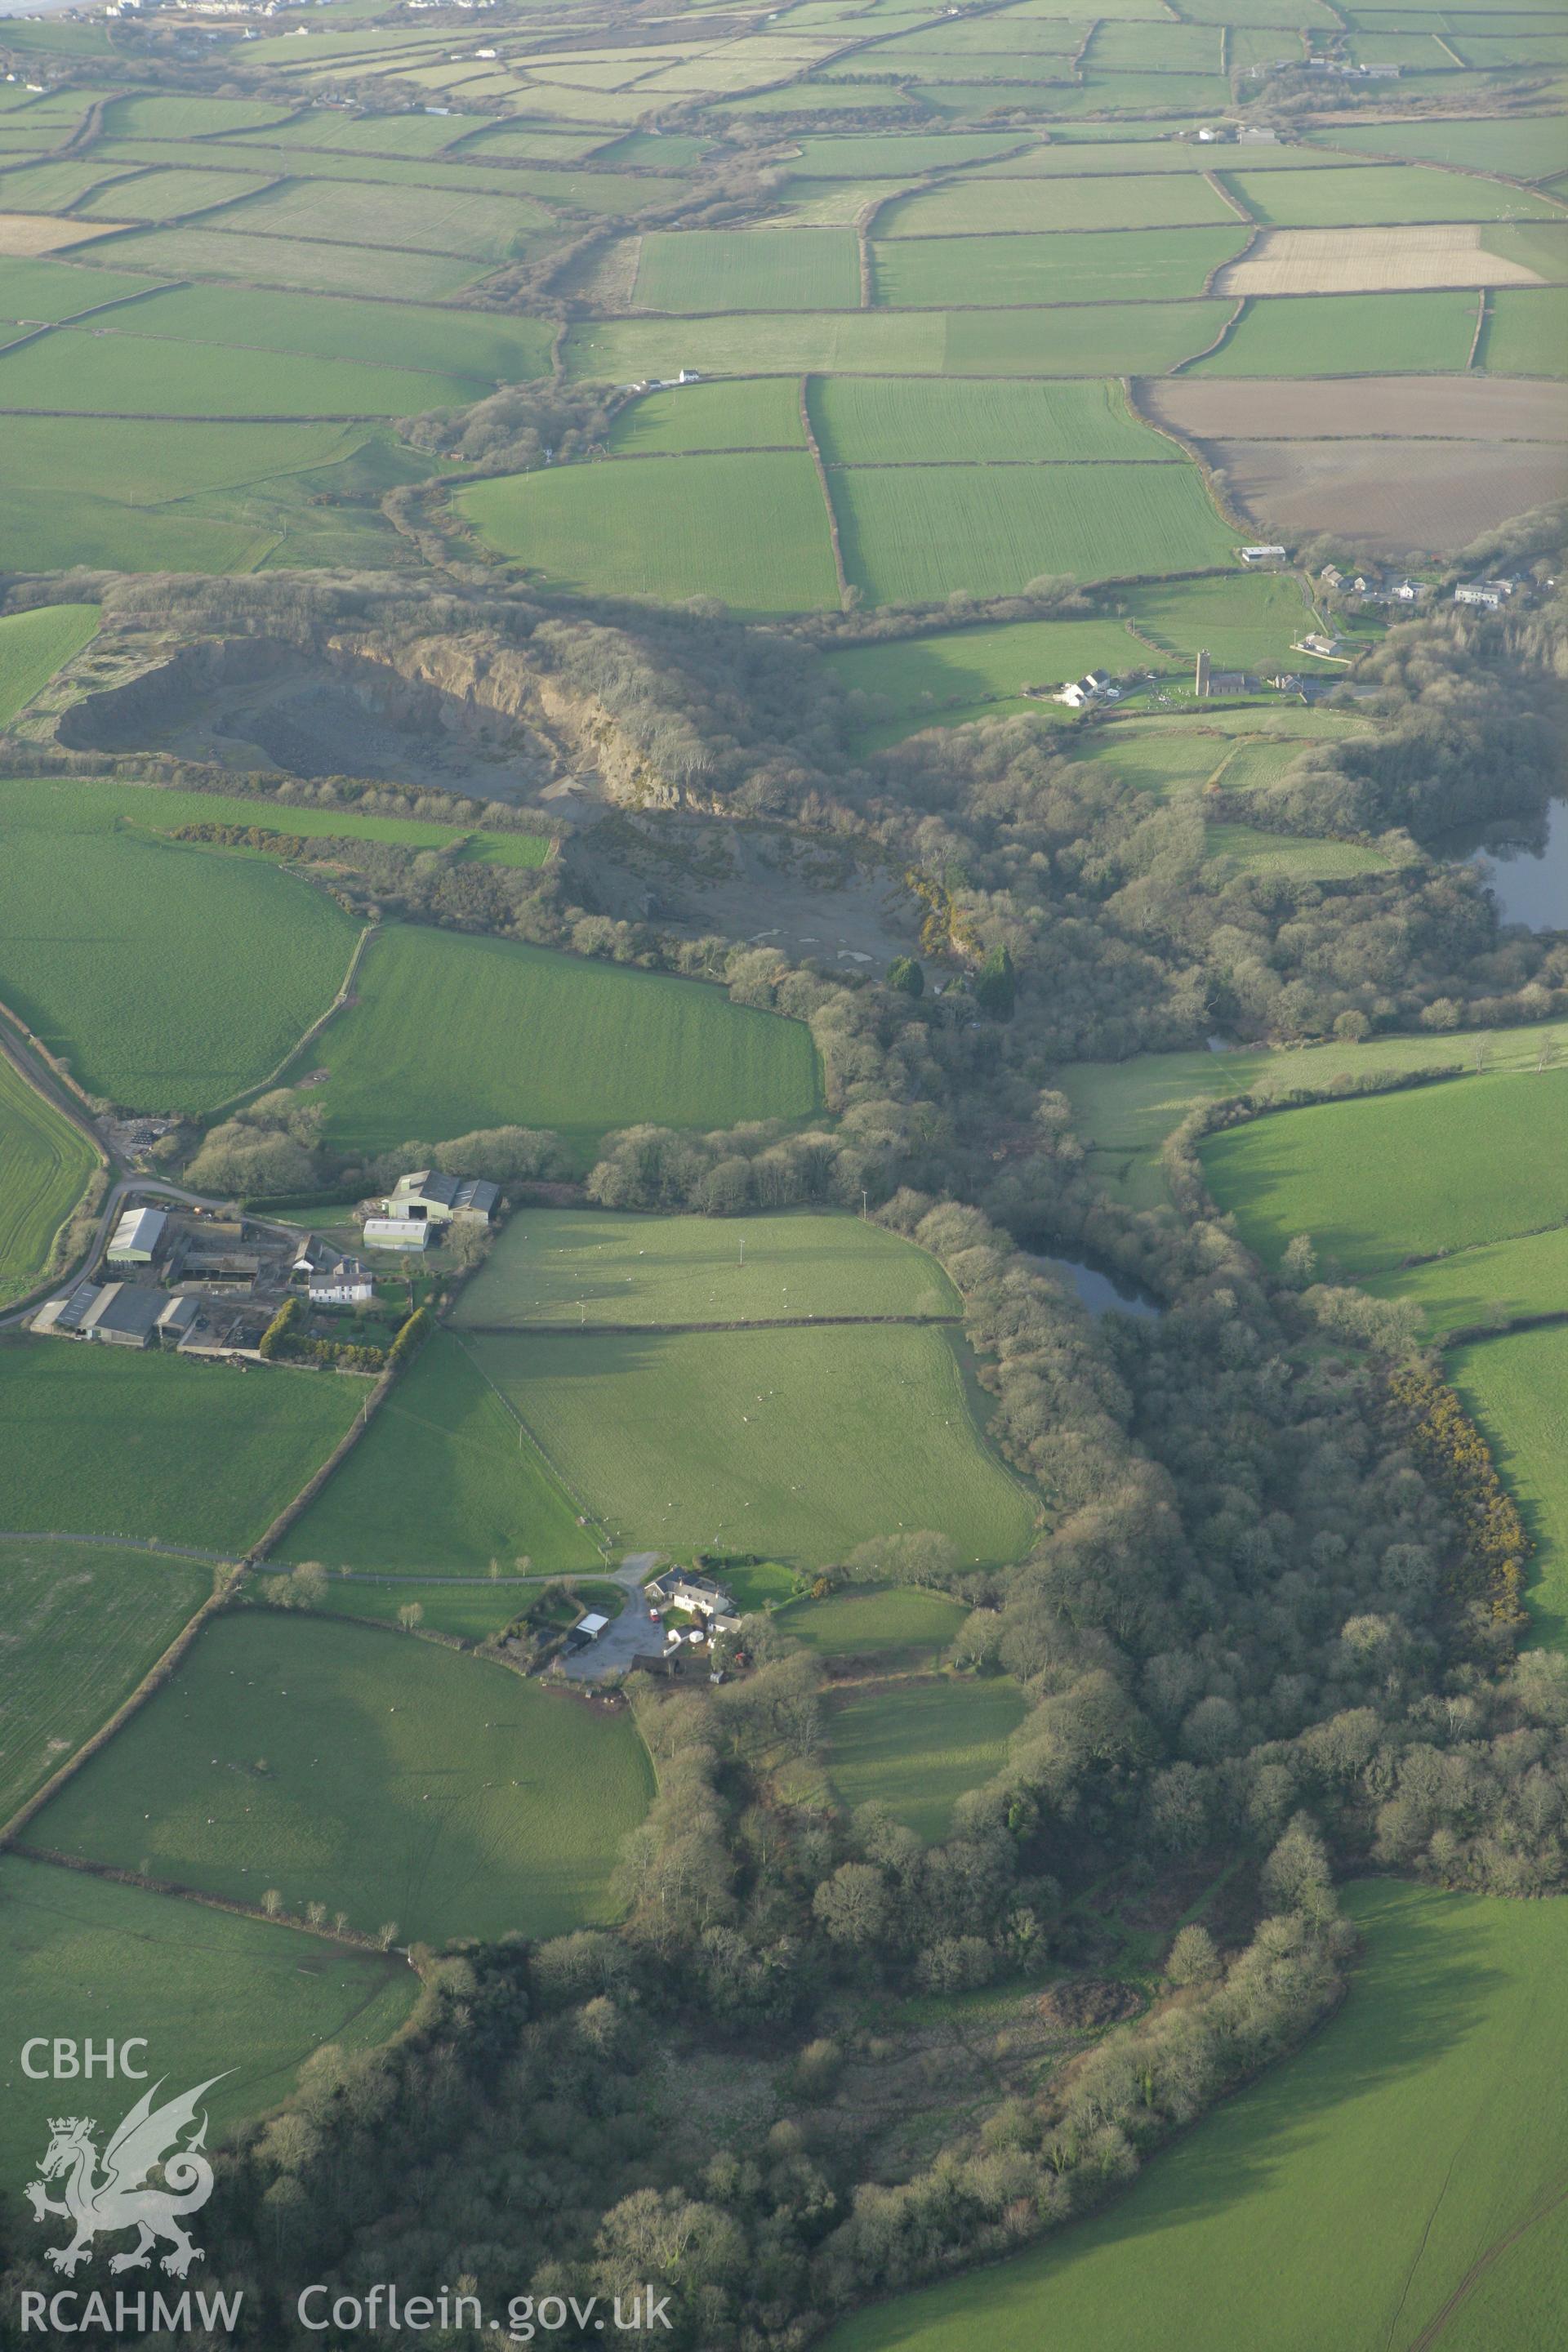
(750, 529)
(1319, 2189)
(45, 1164)
(448, 1034)
(1370, 260)
(381, 1774)
(916, 1747)
(443, 1483)
(1389, 497)
(1436, 1168)
(797, 1442)
(157, 1446)
(914, 534)
(160, 1014)
(576, 1266)
(211, 1992)
(80, 1626)
(34, 646)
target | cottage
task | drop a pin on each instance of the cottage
(1332, 576)
(1490, 595)
(1095, 686)
(344, 1282)
(428, 1196)
(1408, 592)
(676, 1590)
(137, 1237)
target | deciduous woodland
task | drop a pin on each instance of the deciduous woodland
(782, 1292)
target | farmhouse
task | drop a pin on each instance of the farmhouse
(676, 1590)
(1492, 595)
(137, 1237)
(1079, 693)
(345, 1282)
(429, 1196)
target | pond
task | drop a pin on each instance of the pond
(1098, 1287)
(1527, 866)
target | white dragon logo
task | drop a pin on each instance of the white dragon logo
(120, 2200)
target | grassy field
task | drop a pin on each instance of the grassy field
(750, 529)
(45, 1164)
(442, 1483)
(1410, 2154)
(154, 1446)
(159, 1013)
(1522, 146)
(131, 374)
(1125, 1110)
(42, 291)
(797, 1444)
(1517, 1388)
(80, 1626)
(1490, 1283)
(313, 265)
(382, 1776)
(448, 1034)
(1246, 622)
(886, 421)
(1246, 849)
(748, 269)
(1366, 196)
(917, 677)
(1094, 339)
(34, 646)
(567, 1265)
(965, 207)
(913, 534)
(472, 1613)
(1526, 333)
(897, 1624)
(761, 413)
(1339, 334)
(916, 1747)
(484, 348)
(1400, 1175)
(368, 215)
(153, 809)
(210, 1990)
(926, 273)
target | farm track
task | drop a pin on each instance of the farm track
(120, 1543)
(673, 1330)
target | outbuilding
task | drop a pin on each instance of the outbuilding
(137, 1237)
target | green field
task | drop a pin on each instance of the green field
(441, 1484)
(1125, 1110)
(886, 421)
(448, 1034)
(797, 1443)
(897, 1624)
(967, 207)
(748, 269)
(1246, 622)
(1246, 849)
(312, 264)
(927, 273)
(211, 1992)
(570, 1266)
(919, 678)
(166, 194)
(387, 1778)
(155, 1446)
(1094, 339)
(1490, 1283)
(749, 530)
(1339, 334)
(485, 347)
(42, 291)
(80, 1626)
(134, 373)
(45, 1164)
(34, 646)
(1410, 2158)
(155, 809)
(159, 1011)
(1517, 1388)
(1526, 333)
(916, 1747)
(1364, 196)
(913, 534)
(469, 1612)
(1400, 1175)
(761, 413)
(1521, 146)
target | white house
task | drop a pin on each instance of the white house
(1492, 595)
(1094, 686)
(341, 1282)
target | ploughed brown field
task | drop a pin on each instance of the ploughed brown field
(24, 234)
(1369, 261)
(1358, 408)
(1394, 498)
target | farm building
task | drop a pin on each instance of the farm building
(429, 1196)
(396, 1232)
(593, 1625)
(1315, 642)
(119, 1314)
(137, 1237)
(1254, 556)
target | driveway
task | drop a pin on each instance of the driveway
(627, 1637)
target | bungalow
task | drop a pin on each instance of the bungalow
(428, 1196)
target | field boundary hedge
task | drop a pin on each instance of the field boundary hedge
(273, 1078)
(833, 541)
